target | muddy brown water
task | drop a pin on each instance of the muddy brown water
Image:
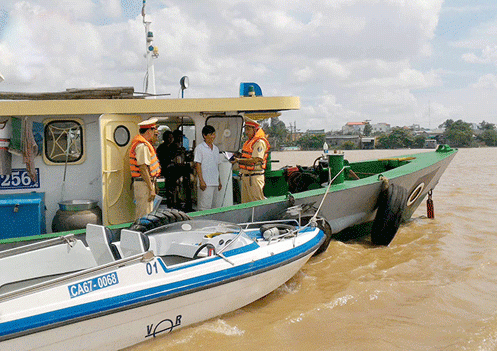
(433, 288)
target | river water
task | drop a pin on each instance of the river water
(433, 288)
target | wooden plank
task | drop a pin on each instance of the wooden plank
(70, 94)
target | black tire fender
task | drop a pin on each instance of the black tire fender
(391, 205)
(159, 218)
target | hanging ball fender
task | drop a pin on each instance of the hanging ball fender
(391, 205)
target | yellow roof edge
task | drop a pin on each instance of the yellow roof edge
(147, 106)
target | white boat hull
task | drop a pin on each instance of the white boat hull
(130, 327)
(148, 299)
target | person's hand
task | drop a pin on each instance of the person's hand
(151, 197)
(203, 186)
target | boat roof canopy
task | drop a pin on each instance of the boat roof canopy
(259, 106)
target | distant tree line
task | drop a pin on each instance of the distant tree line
(456, 134)
(400, 138)
(279, 136)
(461, 134)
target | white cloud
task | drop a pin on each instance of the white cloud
(488, 81)
(111, 8)
(347, 59)
(488, 55)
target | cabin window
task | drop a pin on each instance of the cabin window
(64, 141)
(122, 136)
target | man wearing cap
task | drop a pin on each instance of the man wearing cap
(253, 162)
(145, 167)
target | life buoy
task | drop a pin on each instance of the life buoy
(391, 205)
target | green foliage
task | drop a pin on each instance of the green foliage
(368, 129)
(311, 142)
(398, 138)
(348, 145)
(489, 137)
(446, 124)
(419, 141)
(458, 133)
(486, 126)
(276, 131)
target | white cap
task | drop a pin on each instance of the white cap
(149, 123)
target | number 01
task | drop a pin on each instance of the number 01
(152, 268)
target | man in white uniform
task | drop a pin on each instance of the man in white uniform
(207, 166)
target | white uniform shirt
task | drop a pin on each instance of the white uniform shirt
(142, 154)
(209, 161)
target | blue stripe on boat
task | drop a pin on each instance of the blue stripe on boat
(53, 319)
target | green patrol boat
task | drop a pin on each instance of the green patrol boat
(80, 173)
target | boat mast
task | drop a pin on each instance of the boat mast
(151, 52)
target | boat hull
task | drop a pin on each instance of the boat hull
(346, 205)
(156, 319)
(351, 203)
(149, 299)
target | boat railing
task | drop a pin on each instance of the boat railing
(144, 257)
(69, 239)
(247, 225)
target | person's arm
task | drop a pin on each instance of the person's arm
(257, 155)
(146, 177)
(198, 167)
(249, 161)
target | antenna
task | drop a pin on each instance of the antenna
(151, 52)
(429, 114)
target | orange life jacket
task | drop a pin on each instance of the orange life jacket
(154, 166)
(248, 148)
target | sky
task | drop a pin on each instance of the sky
(400, 62)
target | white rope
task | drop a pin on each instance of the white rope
(314, 217)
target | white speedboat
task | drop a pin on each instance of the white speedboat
(64, 294)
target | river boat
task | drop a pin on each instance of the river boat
(83, 161)
(64, 163)
(109, 294)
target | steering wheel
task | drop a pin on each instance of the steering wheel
(206, 245)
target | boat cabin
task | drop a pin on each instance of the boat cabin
(69, 151)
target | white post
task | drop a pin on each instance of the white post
(151, 52)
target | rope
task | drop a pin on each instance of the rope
(227, 181)
(313, 219)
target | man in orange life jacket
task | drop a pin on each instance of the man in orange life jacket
(253, 162)
(145, 167)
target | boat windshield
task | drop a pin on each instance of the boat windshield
(222, 235)
(204, 226)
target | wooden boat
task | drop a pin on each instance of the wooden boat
(107, 295)
(64, 163)
(84, 160)
(356, 199)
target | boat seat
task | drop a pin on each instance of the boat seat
(99, 239)
(182, 249)
(133, 243)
